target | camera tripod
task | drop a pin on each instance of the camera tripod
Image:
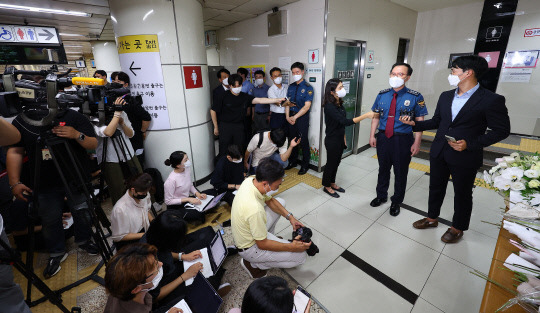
(67, 165)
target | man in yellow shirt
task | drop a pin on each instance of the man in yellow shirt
(254, 217)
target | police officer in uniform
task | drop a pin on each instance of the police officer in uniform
(300, 93)
(395, 142)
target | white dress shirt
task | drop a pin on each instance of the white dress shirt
(275, 93)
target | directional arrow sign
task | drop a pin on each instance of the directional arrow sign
(47, 34)
(131, 68)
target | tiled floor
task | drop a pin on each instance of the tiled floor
(434, 275)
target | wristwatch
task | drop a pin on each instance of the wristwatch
(81, 136)
(288, 217)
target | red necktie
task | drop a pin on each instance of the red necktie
(389, 129)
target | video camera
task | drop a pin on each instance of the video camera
(305, 234)
(40, 102)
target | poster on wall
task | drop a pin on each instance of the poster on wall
(521, 59)
(491, 57)
(516, 75)
(140, 59)
(252, 69)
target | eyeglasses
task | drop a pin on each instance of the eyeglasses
(400, 75)
(153, 273)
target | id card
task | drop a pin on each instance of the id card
(46, 154)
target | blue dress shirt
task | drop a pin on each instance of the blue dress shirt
(459, 101)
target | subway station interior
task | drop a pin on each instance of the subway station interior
(373, 255)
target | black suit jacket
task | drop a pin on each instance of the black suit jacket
(217, 95)
(483, 110)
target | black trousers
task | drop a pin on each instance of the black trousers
(300, 128)
(278, 120)
(393, 152)
(189, 215)
(334, 151)
(230, 133)
(463, 181)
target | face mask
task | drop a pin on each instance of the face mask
(187, 164)
(297, 77)
(278, 80)
(237, 161)
(453, 80)
(116, 85)
(225, 81)
(341, 93)
(140, 197)
(236, 90)
(269, 192)
(259, 81)
(396, 82)
(155, 281)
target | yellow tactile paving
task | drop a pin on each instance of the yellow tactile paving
(525, 145)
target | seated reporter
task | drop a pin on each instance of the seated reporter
(269, 294)
(228, 174)
(130, 217)
(178, 188)
(120, 157)
(253, 219)
(130, 274)
(80, 136)
(265, 145)
(168, 232)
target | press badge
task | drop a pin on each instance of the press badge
(46, 154)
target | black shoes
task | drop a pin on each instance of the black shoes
(340, 189)
(377, 201)
(335, 194)
(302, 170)
(53, 265)
(291, 165)
(90, 248)
(394, 209)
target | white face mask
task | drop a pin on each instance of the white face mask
(297, 77)
(237, 161)
(187, 164)
(341, 93)
(278, 80)
(236, 90)
(225, 81)
(396, 82)
(453, 80)
(259, 81)
(155, 281)
(270, 192)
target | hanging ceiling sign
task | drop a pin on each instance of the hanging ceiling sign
(28, 34)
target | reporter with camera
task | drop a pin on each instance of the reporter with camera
(120, 160)
(80, 136)
(253, 220)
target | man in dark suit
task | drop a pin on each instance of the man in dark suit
(223, 77)
(461, 118)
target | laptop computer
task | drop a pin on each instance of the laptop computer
(209, 203)
(201, 298)
(213, 257)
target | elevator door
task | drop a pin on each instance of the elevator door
(349, 69)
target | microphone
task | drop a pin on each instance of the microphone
(88, 81)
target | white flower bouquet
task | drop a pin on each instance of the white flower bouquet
(517, 178)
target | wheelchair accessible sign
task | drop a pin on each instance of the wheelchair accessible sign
(28, 34)
(140, 59)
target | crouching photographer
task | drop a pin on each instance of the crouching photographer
(80, 136)
(253, 220)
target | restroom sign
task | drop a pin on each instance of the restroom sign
(313, 56)
(193, 77)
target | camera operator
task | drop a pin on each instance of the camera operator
(254, 217)
(78, 131)
(11, 296)
(139, 118)
(115, 159)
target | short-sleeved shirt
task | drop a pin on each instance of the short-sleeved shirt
(407, 99)
(261, 92)
(300, 94)
(232, 109)
(248, 216)
(129, 217)
(137, 114)
(247, 87)
(274, 92)
(49, 176)
(121, 140)
(266, 149)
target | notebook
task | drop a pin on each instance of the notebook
(209, 203)
(212, 257)
(201, 298)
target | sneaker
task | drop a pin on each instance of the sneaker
(224, 289)
(252, 271)
(90, 248)
(53, 265)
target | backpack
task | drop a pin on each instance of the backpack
(158, 183)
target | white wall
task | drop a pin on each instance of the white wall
(380, 24)
(305, 31)
(522, 98)
(212, 56)
(439, 33)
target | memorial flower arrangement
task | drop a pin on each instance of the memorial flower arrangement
(517, 178)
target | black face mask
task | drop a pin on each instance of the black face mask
(140, 197)
(116, 85)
